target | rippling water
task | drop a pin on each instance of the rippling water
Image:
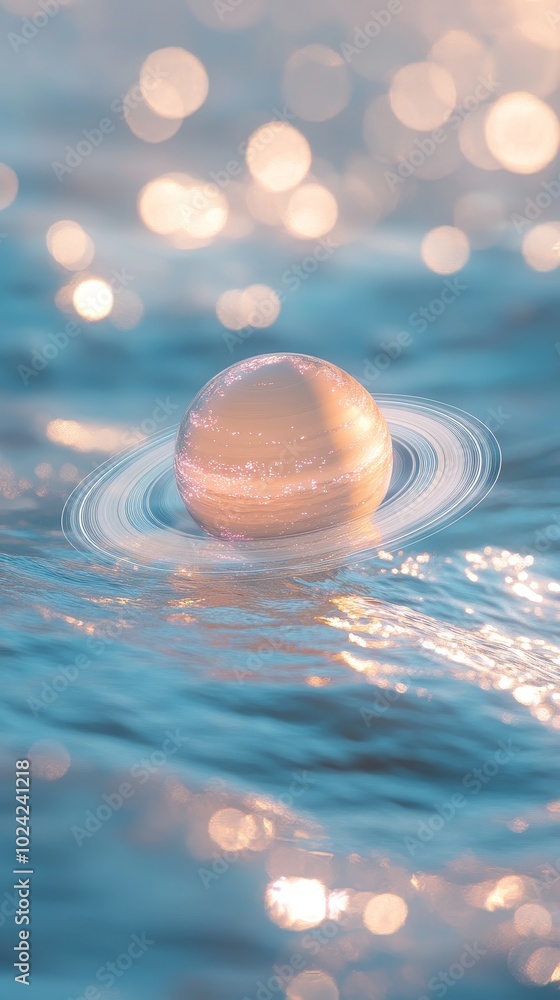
(343, 784)
(339, 716)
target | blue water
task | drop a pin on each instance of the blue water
(386, 727)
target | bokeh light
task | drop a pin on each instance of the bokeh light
(541, 967)
(422, 95)
(316, 84)
(69, 244)
(465, 57)
(147, 125)
(49, 759)
(264, 306)
(65, 294)
(296, 903)
(8, 185)
(85, 437)
(234, 830)
(385, 913)
(541, 246)
(93, 299)
(473, 143)
(160, 201)
(311, 212)
(532, 919)
(522, 133)
(445, 249)
(505, 894)
(278, 156)
(256, 306)
(232, 309)
(127, 311)
(174, 83)
(231, 829)
(537, 20)
(180, 204)
(312, 985)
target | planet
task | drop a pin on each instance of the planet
(283, 464)
(282, 444)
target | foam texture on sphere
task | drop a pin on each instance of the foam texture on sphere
(281, 444)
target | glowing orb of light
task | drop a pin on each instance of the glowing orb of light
(177, 205)
(296, 903)
(174, 83)
(422, 95)
(9, 185)
(145, 123)
(93, 299)
(541, 246)
(385, 914)
(49, 760)
(278, 156)
(312, 985)
(312, 211)
(445, 249)
(522, 133)
(282, 444)
(257, 306)
(70, 245)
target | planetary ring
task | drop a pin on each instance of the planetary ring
(129, 510)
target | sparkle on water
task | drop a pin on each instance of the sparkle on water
(445, 652)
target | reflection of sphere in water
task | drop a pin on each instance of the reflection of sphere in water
(280, 444)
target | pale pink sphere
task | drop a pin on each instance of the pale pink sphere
(282, 444)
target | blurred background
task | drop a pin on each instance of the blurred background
(342, 786)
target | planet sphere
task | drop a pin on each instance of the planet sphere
(280, 445)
